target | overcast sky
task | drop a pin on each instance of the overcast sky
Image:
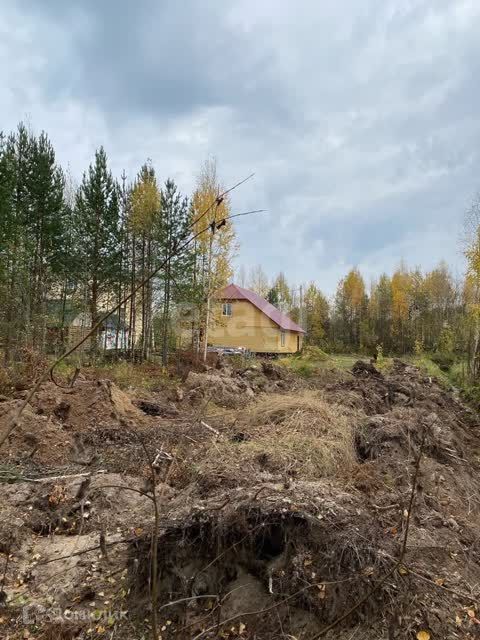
(359, 118)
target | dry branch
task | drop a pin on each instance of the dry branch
(212, 429)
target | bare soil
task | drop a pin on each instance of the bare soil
(281, 504)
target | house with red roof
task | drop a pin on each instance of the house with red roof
(244, 319)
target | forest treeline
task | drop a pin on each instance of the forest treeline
(69, 253)
(407, 312)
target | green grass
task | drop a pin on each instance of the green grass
(308, 367)
(431, 369)
(146, 376)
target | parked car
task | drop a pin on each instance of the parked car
(229, 351)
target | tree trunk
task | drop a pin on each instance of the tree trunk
(94, 316)
(132, 319)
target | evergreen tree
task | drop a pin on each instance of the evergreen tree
(44, 230)
(98, 233)
(10, 229)
(272, 296)
(172, 228)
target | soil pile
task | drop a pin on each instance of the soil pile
(226, 386)
(53, 425)
(279, 509)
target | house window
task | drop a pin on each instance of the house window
(282, 338)
(227, 309)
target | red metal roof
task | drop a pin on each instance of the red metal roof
(234, 292)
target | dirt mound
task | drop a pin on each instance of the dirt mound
(220, 389)
(52, 425)
(277, 437)
(87, 403)
(290, 563)
(230, 387)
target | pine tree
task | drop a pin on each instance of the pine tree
(272, 296)
(171, 230)
(10, 227)
(97, 222)
(45, 231)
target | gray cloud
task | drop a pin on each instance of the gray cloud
(359, 119)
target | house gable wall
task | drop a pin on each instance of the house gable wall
(250, 328)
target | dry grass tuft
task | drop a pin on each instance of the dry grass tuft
(294, 435)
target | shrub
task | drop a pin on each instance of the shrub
(311, 352)
(443, 360)
(379, 350)
(418, 347)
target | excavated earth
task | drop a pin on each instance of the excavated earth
(282, 508)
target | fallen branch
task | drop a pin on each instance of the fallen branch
(84, 551)
(19, 478)
(212, 429)
(386, 508)
(459, 594)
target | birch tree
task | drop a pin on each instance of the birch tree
(215, 247)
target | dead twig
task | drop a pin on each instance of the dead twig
(271, 607)
(50, 478)
(459, 594)
(398, 562)
(386, 508)
(211, 429)
(202, 597)
(84, 551)
(154, 466)
(255, 497)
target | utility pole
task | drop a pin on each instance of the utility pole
(209, 284)
(300, 314)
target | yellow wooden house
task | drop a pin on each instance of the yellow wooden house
(244, 319)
